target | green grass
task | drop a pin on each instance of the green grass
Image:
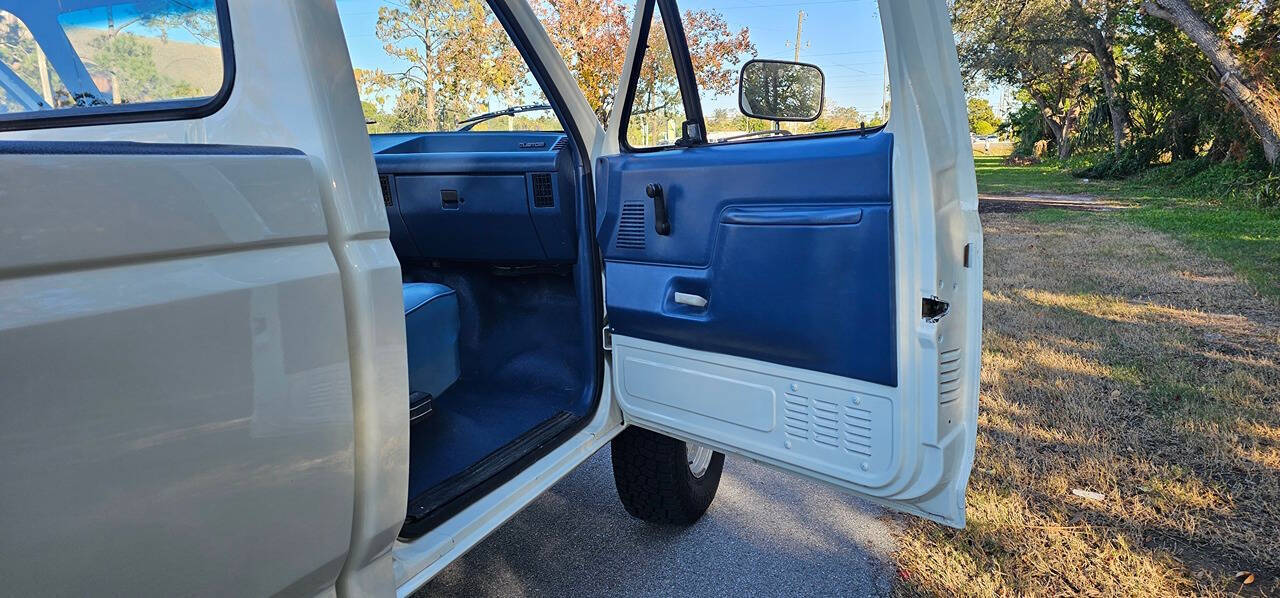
(995, 177)
(1194, 209)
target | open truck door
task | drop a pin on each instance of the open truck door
(812, 302)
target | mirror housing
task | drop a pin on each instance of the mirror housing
(781, 90)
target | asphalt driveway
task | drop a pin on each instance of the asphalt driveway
(766, 534)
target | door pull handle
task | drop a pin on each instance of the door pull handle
(691, 299)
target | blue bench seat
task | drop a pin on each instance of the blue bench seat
(431, 331)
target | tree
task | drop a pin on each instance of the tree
(1252, 92)
(1019, 43)
(457, 58)
(1097, 22)
(592, 37)
(134, 76)
(1061, 26)
(982, 119)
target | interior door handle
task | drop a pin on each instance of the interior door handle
(661, 224)
(691, 299)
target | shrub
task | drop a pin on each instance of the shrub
(1123, 164)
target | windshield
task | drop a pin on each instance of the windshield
(435, 66)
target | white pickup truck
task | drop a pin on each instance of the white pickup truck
(247, 348)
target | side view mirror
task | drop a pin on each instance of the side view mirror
(781, 90)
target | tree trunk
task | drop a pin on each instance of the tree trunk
(1115, 105)
(433, 123)
(1258, 100)
(1064, 136)
(1061, 126)
(1100, 47)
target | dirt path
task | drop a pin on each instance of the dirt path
(1115, 361)
(990, 203)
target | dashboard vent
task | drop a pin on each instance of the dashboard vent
(543, 193)
(561, 143)
(385, 182)
(631, 226)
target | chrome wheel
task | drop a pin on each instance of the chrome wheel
(699, 457)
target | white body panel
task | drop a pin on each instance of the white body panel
(173, 361)
(293, 88)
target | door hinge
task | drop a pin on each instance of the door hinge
(606, 338)
(933, 309)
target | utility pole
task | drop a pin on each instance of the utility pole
(777, 125)
(884, 92)
(799, 26)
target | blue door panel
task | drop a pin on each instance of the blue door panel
(699, 183)
(790, 243)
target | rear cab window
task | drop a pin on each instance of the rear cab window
(110, 61)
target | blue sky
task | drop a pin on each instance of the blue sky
(843, 37)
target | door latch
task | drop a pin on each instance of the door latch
(933, 309)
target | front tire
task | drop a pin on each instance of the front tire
(664, 480)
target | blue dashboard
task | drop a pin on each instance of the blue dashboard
(500, 197)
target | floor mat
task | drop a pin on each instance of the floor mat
(470, 421)
(523, 360)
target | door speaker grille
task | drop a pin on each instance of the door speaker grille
(631, 226)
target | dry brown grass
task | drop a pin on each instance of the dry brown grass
(1117, 361)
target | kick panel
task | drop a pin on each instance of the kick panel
(750, 406)
(834, 426)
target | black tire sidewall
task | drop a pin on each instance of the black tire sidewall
(651, 473)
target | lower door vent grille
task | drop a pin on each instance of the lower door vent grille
(948, 375)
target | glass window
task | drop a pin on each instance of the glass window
(843, 39)
(592, 38)
(440, 66)
(657, 109)
(27, 82)
(120, 53)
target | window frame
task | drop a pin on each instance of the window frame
(684, 78)
(165, 110)
(684, 68)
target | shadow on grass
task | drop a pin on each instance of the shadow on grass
(1116, 361)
